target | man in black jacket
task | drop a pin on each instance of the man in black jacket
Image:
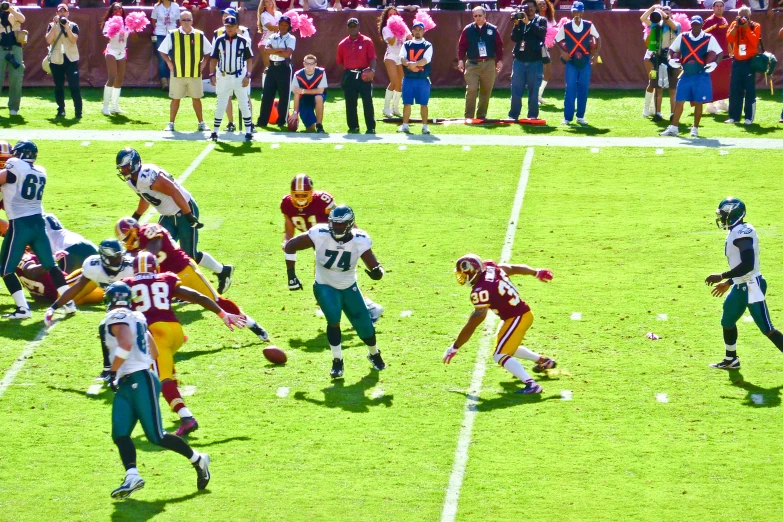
(528, 34)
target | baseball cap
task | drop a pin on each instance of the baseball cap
(230, 20)
(62, 6)
(697, 20)
(579, 7)
(284, 19)
(418, 24)
(353, 21)
(230, 12)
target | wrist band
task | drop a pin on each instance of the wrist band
(222, 314)
(290, 257)
(211, 75)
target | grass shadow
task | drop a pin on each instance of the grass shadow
(135, 510)
(757, 397)
(236, 149)
(352, 398)
(105, 395)
(243, 438)
(509, 399)
(586, 130)
(185, 355)
(320, 343)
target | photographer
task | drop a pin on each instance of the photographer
(11, 40)
(663, 31)
(529, 33)
(61, 35)
(744, 40)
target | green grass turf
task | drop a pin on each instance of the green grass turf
(629, 236)
(610, 113)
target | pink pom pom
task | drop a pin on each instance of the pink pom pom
(683, 20)
(562, 22)
(306, 26)
(136, 21)
(426, 19)
(646, 31)
(113, 26)
(397, 26)
(294, 16)
(551, 32)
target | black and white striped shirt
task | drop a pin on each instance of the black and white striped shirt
(232, 54)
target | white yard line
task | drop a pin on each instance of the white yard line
(463, 444)
(28, 350)
(460, 140)
(661, 397)
(576, 316)
(282, 392)
(566, 395)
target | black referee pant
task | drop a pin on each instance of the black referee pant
(278, 81)
(353, 87)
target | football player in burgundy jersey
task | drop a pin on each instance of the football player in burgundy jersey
(151, 294)
(493, 290)
(153, 238)
(39, 283)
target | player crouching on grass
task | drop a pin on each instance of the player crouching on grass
(492, 289)
(137, 389)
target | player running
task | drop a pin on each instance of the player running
(70, 249)
(177, 208)
(137, 390)
(155, 239)
(492, 289)
(338, 247)
(151, 295)
(748, 287)
(304, 208)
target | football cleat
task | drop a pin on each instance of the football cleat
(69, 308)
(544, 363)
(730, 212)
(213, 136)
(337, 369)
(231, 127)
(104, 377)
(376, 361)
(131, 484)
(188, 425)
(727, 364)
(202, 471)
(301, 190)
(169, 127)
(19, 313)
(468, 268)
(531, 388)
(248, 137)
(224, 279)
(259, 331)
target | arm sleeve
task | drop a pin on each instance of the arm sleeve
(165, 45)
(747, 261)
(714, 46)
(594, 31)
(323, 84)
(462, 46)
(248, 53)
(371, 50)
(516, 34)
(340, 60)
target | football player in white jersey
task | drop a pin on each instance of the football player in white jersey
(22, 184)
(73, 248)
(177, 208)
(137, 391)
(748, 287)
(338, 247)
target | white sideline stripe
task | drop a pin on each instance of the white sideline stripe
(661, 397)
(406, 313)
(576, 316)
(27, 351)
(188, 391)
(465, 434)
(94, 389)
(663, 317)
(400, 139)
(282, 392)
(566, 395)
(85, 144)
(757, 398)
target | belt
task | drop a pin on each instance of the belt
(281, 62)
(235, 74)
(477, 60)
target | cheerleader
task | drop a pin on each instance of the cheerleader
(115, 55)
(547, 10)
(391, 60)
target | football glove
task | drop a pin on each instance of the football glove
(674, 63)
(710, 67)
(293, 281)
(449, 354)
(49, 317)
(60, 254)
(193, 220)
(232, 320)
(376, 273)
(113, 383)
(544, 275)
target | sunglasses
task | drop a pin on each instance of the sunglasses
(478, 16)
(62, 10)
(309, 63)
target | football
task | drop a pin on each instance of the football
(275, 355)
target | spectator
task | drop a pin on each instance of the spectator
(242, 31)
(268, 16)
(195, 5)
(744, 41)
(698, 58)
(598, 5)
(718, 27)
(10, 26)
(115, 56)
(185, 62)
(663, 31)
(710, 4)
(416, 56)
(62, 35)
(547, 10)
(528, 34)
(760, 5)
(578, 59)
(356, 53)
(165, 15)
(309, 87)
(480, 53)
(280, 49)
(391, 60)
(320, 5)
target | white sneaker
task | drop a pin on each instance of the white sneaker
(694, 132)
(730, 120)
(13, 113)
(425, 129)
(671, 130)
(404, 128)
(581, 121)
(19, 313)
(116, 110)
(202, 127)
(712, 109)
(69, 308)
(131, 484)
(565, 122)
(169, 127)
(541, 101)
(748, 122)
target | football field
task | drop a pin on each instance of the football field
(628, 428)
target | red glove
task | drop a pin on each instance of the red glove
(449, 354)
(544, 275)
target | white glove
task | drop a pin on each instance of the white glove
(710, 67)
(674, 63)
(449, 354)
(232, 320)
(48, 317)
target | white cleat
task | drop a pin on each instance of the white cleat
(388, 113)
(20, 313)
(105, 111)
(131, 484)
(169, 127)
(202, 127)
(748, 122)
(565, 122)
(581, 121)
(376, 310)
(730, 120)
(694, 132)
(671, 130)
(69, 308)
(404, 128)
(425, 129)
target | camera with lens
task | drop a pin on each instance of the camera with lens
(63, 20)
(518, 13)
(743, 20)
(10, 58)
(656, 17)
(5, 7)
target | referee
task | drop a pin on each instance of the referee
(279, 73)
(229, 72)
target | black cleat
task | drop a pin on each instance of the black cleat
(202, 470)
(376, 361)
(319, 129)
(213, 136)
(370, 131)
(354, 130)
(337, 369)
(249, 137)
(104, 377)
(231, 127)
(727, 364)
(224, 279)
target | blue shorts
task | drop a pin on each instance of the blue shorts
(307, 109)
(415, 90)
(696, 88)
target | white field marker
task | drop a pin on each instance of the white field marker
(659, 151)
(319, 312)
(466, 148)
(566, 395)
(757, 398)
(94, 389)
(377, 393)
(85, 144)
(663, 317)
(747, 318)
(724, 152)
(406, 313)
(188, 391)
(402, 147)
(661, 397)
(595, 150)
(576, 316)
(282, 392)
(463, 443)
(338, 147)
(274, 146)
(149, 144)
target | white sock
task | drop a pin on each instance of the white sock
(513, 366)
(731, 348)
(209, 262)
(396, 101)
(263, 80)
(184, 412)
(132, 471)
(387, 100)
(541, 89)
(62, 289)
(524, 353)
(337, 351)
(195, 457)
(373, 349)
(250, 322)
(19, 299)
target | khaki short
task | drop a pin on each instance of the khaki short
(186, 88)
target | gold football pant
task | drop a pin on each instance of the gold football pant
(169, 338)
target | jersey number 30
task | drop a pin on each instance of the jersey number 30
(159, 298)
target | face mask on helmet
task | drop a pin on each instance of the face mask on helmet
(111, 257)
(301, 190)
(128, 164)
(127, 231)
(468, 268)
(730, 212)
(341, 222)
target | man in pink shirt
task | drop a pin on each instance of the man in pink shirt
(356, 53)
